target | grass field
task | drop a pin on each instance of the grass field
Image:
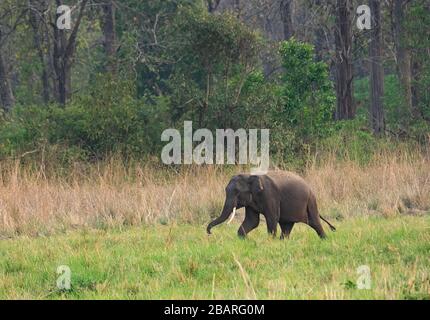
(182, 262)
(138, 231)
(36, 201)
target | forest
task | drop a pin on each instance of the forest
(127, 70)
(88, 87)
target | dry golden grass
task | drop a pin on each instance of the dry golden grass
(390, 184)
(33, 202)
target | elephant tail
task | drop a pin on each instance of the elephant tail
(332, 228)
(314, 212)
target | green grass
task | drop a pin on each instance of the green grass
(394, 104)
(182, 262)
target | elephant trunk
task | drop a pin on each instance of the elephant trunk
(229, 207)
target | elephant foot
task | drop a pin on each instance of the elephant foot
(241, 235)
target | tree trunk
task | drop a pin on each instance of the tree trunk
(38, 43)
(59, 66)
(6, 94)
(344, 75)
(64, 50)
(49, 40)
(213, 5)
(415, 74)
(403, 56)
(376, 70)
(319, 36)
(109, 32)
(286, 9)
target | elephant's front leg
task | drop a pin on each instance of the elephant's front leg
(286, 228)
(272, 225)
(252, 219)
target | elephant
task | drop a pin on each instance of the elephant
(280, 196)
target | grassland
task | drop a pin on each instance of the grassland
(38, 201)
(138, 231)
(182, 262)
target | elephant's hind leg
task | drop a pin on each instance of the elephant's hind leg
(286, 228)
(252, 219)
(316, 225)
(314, 218)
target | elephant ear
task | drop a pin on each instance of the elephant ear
(256, 184)
(242, 184)
(267, 195)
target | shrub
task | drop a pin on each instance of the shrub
(107, 120)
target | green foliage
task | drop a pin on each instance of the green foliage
(177, 62)
(397, 117)
(417, 40)
(352, 140)
(108, 119)
(146, 29)
(307, 92)
(216, 57)
(307, 100)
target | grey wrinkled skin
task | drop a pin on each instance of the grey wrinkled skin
(280, 196)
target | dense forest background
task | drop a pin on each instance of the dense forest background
(129, 69)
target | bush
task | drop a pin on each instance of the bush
(305, 114)
(307, 91)
(107, 120)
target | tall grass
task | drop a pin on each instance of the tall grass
(35, 200)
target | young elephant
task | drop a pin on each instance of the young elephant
(282, 197)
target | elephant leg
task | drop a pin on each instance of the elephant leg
(286, 229)
(316, 225)
(272, 225)
(252, 219)
(314, 218)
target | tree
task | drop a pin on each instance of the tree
(216, 55)
(307, 91)
(64, 50)
(286, 10)
(403, 56)
(212, 5)
(417, 40)
(319, 35)
(109, 35)
(376, 70)
(36, 10)
(11, 16)
(6, 94)
(343, 60)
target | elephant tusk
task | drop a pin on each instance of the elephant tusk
(232, 216)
